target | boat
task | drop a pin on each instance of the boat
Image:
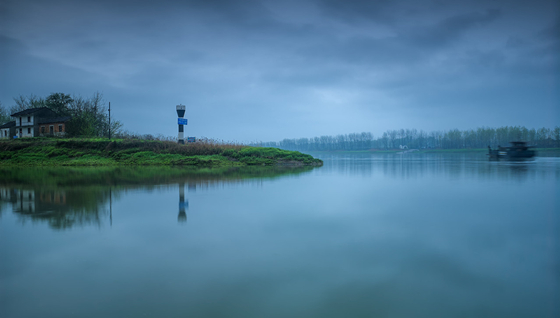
(517, 151)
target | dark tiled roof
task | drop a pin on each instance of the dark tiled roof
(31, 110)
(53, 120)
(9, 124)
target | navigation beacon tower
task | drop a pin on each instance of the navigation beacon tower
(181, 121)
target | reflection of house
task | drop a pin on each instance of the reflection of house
(8, 195)
(35, 122)
(54, 197)
(33, 201)
(23, 200)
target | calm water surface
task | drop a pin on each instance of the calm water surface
(362, 236)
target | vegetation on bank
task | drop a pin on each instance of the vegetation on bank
(105, 152)
(89, 116)
(419, 139)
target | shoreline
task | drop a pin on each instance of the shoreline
(55, 152)
(418, 151)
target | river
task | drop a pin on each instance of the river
(414, 235)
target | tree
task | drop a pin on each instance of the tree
(23, 103)
(59, 103)
(4, 115)
(89, 115)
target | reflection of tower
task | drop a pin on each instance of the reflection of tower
(183, 205)
(111, 206)
(181, 121)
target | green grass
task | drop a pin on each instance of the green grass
(104, 152)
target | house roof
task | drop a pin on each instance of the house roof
(8, 124)
(53, 120)
(31, 110)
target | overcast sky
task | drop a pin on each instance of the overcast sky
(268, 70)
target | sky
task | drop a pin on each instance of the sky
(268, 70)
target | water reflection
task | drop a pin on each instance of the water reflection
(61, 208)
(70, 197)
(417, 166)
(183, 205)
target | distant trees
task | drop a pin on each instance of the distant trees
(4, 115)
(89, 115)
(419, 139)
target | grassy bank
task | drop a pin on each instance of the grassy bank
(104, 152)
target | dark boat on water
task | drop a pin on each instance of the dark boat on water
(518, 151)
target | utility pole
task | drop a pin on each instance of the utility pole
(109, 120)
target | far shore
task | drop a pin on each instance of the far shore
(540, 151)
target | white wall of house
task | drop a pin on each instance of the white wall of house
(5, 133)
(24, 132)
(26, 126)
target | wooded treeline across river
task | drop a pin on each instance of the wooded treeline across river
(419, 139)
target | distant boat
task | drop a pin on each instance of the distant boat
(518, 151)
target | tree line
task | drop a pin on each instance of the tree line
(89, 117)
(419, 139)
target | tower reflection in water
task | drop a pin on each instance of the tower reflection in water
(183, 205)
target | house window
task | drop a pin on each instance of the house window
(28, 130)
(42, 129)
(28, 119)
(5, 133)
(59, 128)
(51, 130)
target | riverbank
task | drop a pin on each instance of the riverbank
(105, 152)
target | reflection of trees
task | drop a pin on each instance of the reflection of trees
(412, 166)
(67, 197)
(61, 208)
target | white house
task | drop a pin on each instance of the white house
(34, 122)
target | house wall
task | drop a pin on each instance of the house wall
(25, 131)
(44, 129)
(26, 126)
(5, 133)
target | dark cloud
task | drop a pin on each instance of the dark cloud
(449, 29)
(366, 66)
(359, 11)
